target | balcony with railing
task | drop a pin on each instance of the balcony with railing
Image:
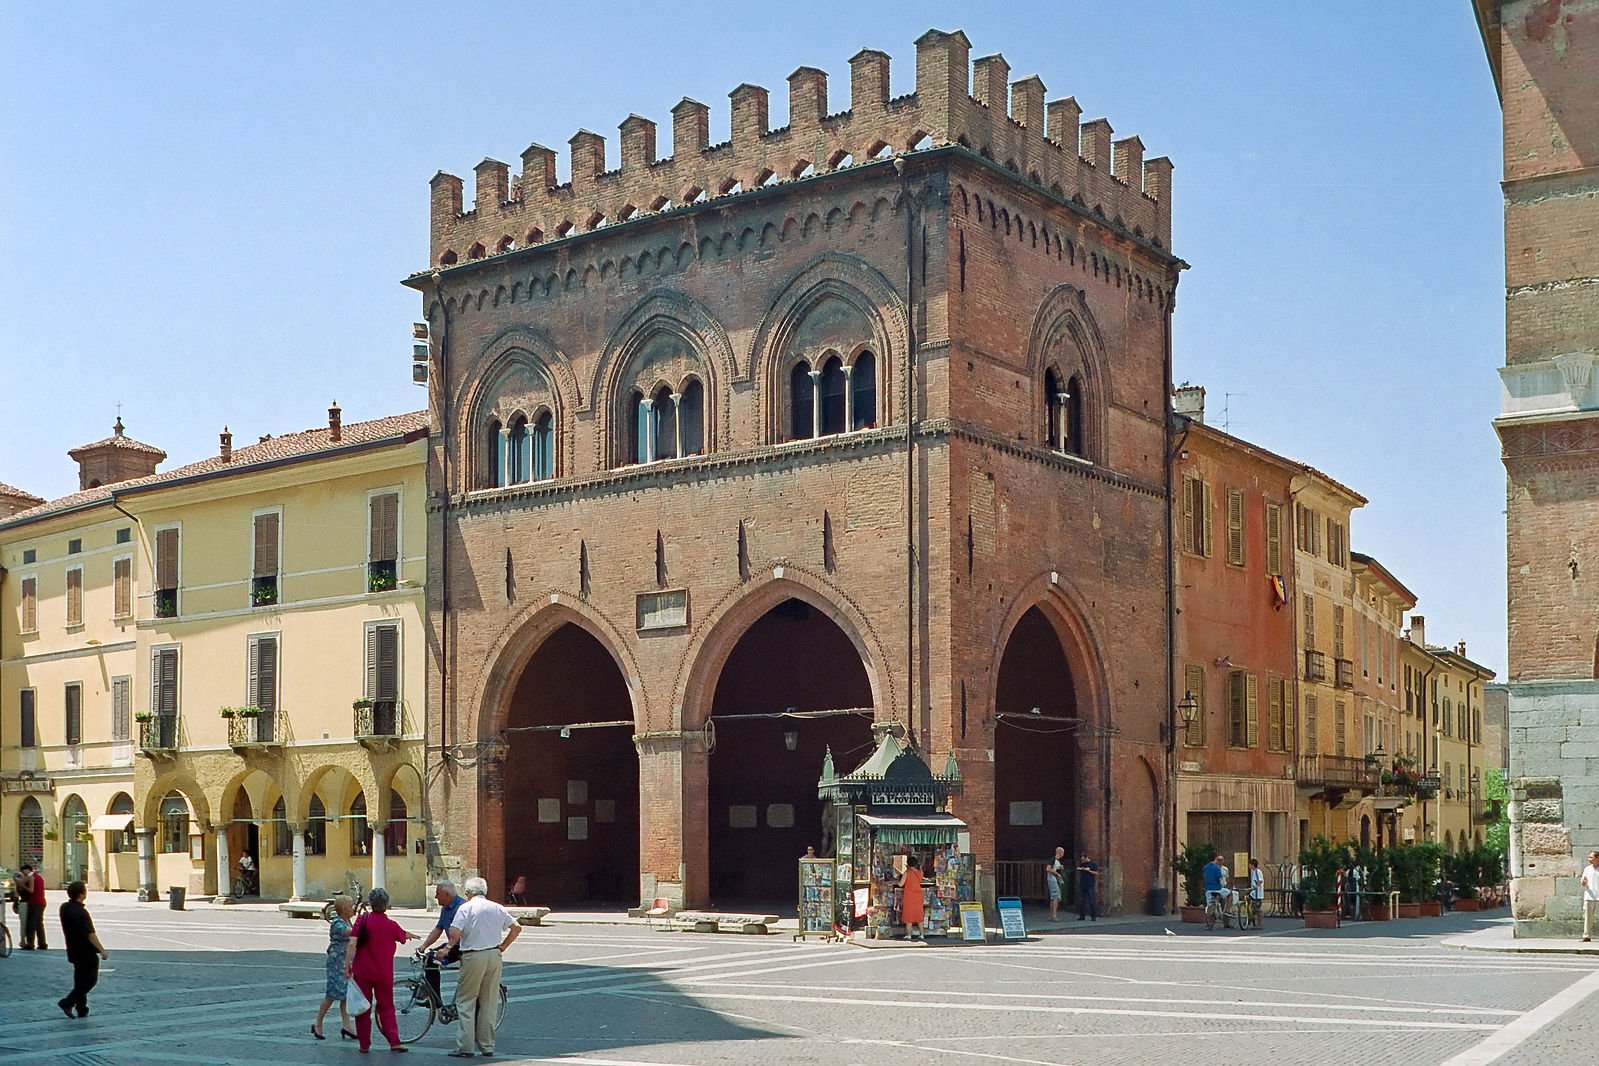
(377, 723)
(158, 735)
(255, 732)
(1339, 774)
(1315, 665)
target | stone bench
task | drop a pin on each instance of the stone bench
(529, 915)
(302, 909)
(716, 922)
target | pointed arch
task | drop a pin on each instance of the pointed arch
(521, 371)
(1066, 340)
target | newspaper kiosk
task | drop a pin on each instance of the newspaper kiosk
(890, 808)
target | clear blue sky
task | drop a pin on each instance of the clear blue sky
(208, 209)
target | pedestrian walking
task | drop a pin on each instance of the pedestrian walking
(1055, 882)
(1590, 894)
(33, 924)
(372, 965)
(338, 984)
(84, 951)
(1087, 888)
(482, 930)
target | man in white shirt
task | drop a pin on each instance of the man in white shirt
(481, 930)
(1590, 893)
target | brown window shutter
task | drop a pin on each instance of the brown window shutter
(388, 658)
(385, 523)
(120, 716)
(1194, 681)
(264, 671)
(372, 663)
(1188, 514)
(122, 588)
(1290, 720)
(1235, 708)
(1274, 714)
(1251, 711)
(164, 699)
(266, 545)
(30, 604)
(166, 559)
(75, 596)
(1274, 539)
(1209, 547)
(1235, 527)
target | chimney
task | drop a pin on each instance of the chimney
(1460, 649)
(1418, 630)
(227, 445)
(1189, 401)
(335, 430)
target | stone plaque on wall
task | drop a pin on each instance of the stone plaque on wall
(1027, 812)
(577, 828)
(740, 816)
(605, 811)
(549, 810)
(780, 815)
(663, 610)
(577, 792)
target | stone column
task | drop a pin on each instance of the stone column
(816, 403)
(504, 447)
(299, 861)
(146, 839)
(224, 862)
(1061, 415)
(677, 425)
(647, 437)
(849, 398)
(378, 847)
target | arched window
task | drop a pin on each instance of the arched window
(494, 454)
(663, 423)
(832, 396)
(802, 399)
(360, 831)
(30, 833)
(1076, 438)
(120, 840)
(1055, 410)
(316, 828)
(639, 439)
(691, 417)
(517, 449)
(394, 834)
(543, 447)
(174, 824)
(863, 392)
(282, 832)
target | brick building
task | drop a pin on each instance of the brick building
(742, 452)
(1544, 55)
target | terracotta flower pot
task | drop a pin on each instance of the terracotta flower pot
(1321, 919)
(1432, 909)
(1192, 915)
(1410, 910)
(1467, 905)
(1378, 912)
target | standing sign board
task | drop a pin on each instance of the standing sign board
(972, 922)
(1010, 918)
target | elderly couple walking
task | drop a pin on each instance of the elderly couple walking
(477, 927)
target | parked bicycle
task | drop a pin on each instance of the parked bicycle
(248, 883)
(355, 893)
(417, 1006)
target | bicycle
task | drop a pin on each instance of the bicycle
(330, 910)
(248, 883)
(417, 1006)
(1245, 911)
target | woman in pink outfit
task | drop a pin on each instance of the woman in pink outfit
(371, 964)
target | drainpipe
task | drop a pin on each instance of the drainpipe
(1166, 836)
(446, 675)
(912, 561)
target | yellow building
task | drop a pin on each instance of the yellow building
(250, 663)
(1381, 601)
(1331, 772)
(1457, 747)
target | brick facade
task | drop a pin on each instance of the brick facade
(955, 281)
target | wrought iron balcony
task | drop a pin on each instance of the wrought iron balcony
(1339, 772)
(247, 732)
(377, 722)
(158, 735)
(1315, 665)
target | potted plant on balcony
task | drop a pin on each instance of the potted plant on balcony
(362, 704)
(144, 716)
(226, 712)
(249, 712)
(1190, 866)
(1319, 863)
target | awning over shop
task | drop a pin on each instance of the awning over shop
(111, 823)
(914, 828)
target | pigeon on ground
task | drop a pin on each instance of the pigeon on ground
(1170, 933)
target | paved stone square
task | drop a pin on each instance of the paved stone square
(239, 985)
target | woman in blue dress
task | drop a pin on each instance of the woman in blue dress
(338, 946)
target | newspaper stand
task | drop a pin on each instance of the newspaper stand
(890, 808)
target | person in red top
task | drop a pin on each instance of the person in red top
(33, 926)
(911, 903)
(371, 964)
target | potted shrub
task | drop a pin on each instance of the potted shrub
(1319, 863)
(144, 716)
(1415, 875)
(1190, 865)
(1465, 870)
(248, 712)
(1378, 883)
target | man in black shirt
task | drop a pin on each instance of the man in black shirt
(83, 951)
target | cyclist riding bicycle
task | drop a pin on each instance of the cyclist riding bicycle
(1216, 885)
(449, 902)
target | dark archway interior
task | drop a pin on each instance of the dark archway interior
(793, 657)
(1035, 759)
(571, 803)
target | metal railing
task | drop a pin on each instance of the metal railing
(1337, 771)
(254, 731)
(1024, 880)
(378, 718)
(159, 733)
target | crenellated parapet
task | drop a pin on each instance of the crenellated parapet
(955, 101)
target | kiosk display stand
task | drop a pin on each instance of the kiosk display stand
(817, 907)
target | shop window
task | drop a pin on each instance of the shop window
(360, 830)
(282, 832)
(394, 834)
(174, 825)
(30, 833)
(316, 828)
(119, 841)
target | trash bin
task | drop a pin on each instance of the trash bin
(175, 895)
(1157, 900)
